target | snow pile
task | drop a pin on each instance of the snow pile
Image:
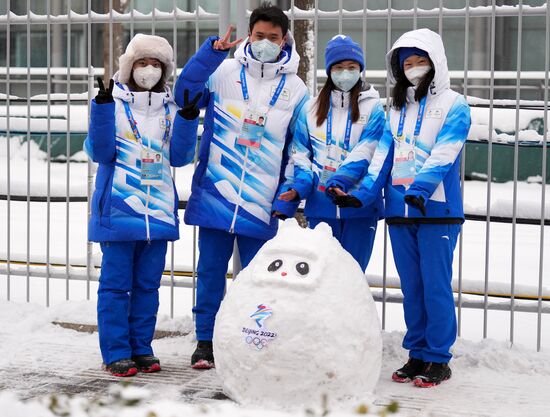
(528, 204)
(492, 355)
(504, 125)
(298, 323)
(36, 166)
(73, 117)
(19, 151)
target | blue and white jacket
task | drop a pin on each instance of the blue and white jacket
(233, 188)
(438, 148)
(122, 208)
(309, 151)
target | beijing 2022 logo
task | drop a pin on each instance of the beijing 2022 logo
(259, 337)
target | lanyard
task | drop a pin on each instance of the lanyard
(244, 87)
(419, 118)
(347, 135)
(135, 130)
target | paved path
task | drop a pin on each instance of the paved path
(466, 394)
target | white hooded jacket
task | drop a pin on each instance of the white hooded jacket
(443, 132)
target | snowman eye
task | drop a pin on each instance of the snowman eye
(273, 266)
(302, 268)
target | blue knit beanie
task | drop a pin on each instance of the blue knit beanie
(404, 53)
(342, 48)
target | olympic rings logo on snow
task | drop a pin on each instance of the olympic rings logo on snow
(256, 342)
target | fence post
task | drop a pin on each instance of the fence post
(225, 16)
(242, 19)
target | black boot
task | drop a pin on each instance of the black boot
(411, 369)
(147, 363)
(203, 357)
(123, 367)
(433, 374)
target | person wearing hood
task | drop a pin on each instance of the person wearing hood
(418, 162)
(136, 134)
(347, 115)
(251, 104)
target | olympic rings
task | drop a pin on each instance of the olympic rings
(256, 342)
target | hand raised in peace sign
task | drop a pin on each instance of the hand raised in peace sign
(223, 44)
(104, 95)
(189, 110)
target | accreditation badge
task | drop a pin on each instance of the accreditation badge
(151, 167)
(253, 128)
(335, 157)
(404, 163)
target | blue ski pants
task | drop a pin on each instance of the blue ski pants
(128, 297)
(356, 235)
(215, 250)
(423, 255)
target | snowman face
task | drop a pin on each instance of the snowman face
(301, 269)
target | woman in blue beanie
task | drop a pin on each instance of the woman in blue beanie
(418, 162)
(346, 115)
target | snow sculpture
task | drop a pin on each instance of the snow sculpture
(299, 322)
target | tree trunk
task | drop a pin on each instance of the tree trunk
(303, 35)
(111, 55)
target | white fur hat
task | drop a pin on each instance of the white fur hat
(146, 46)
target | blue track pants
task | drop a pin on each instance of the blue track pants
(216, 248)
(128, 297)
(423, 255)
(356, 235)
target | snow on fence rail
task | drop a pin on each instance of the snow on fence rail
(294, 13)
(481, 293)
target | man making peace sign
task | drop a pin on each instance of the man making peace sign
(251, 104)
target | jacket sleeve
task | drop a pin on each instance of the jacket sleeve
(197, 71)
(447, 148)
(356, 165)
(184, 140)
(301, 154)
(288, 170)
(100, 144)
(378, 171)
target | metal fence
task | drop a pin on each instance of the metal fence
(53, 112)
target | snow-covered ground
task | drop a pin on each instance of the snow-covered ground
(490, 378)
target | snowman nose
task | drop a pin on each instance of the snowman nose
(283, 274)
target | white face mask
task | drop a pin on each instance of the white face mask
(346, 79)
(147, 77)
(265, 50)
(416, 74)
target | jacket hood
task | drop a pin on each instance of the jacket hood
(287, 63)
(428, 41)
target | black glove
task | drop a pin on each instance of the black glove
(347, 201)
(104, 96)
(189, 111)
(417, 202)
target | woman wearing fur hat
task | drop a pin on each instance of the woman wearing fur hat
(423, 201)
(136, 134)
(346, 115)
